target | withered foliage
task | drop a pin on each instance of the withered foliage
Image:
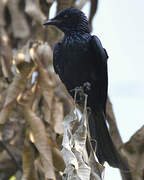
(33, 102)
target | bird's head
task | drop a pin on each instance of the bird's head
(70, 20)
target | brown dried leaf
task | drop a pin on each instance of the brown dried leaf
(5, 54)
(4, 39)
(2, 97)
(81, 4)
(46, 86)
(62, 4)
(58, 116)
(25, 68)
(15, 88)
(45, 79)
(2, 7)
(29, 172)
(44, 54)
(20, 27)
(58, 159)
(4, 113)
(41, 141)
(33, 9)
(6, 63)
(93, 10)
(26, 99)
(35, 105)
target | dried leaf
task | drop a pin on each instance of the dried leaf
(2, 7)
(44, 54)
(29, 172)
(33, 9)
(41, 141)
(2, 95)
(74, 145)
(46, 86)
(15, 88)
(19, 23)
(58, 116)
(93, 10)
(63, 4)
(4, 39)
(6, 60)
(81, 3)
(4, 113)
(58, 159)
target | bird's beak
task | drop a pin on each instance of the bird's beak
(53, 21)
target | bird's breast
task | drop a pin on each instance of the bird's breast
(75, 65)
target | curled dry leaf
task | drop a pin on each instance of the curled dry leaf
(35, 105)
(4, 113)
(44, 54)
(29, 172)
(4, 39)
(41, 141)
(20, 27)
(5, 54)
(2, 97)
(93, 10)
(45, 84)
(26, 99)
(15, 88)
(2, 19)
(74, 141)
(80, 4)
(58, 159)
(74, 146)
(6, 64)
(62, 4)
(58, 116)
(32, 8)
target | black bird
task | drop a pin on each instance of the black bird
(81, 61)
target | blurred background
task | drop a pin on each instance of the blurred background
(30, 90)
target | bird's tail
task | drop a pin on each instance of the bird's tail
(105, 149)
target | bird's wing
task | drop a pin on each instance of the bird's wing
(98, 48)
(99, 61)
(55, 58)
(58, 60)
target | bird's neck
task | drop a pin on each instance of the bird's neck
(75, 37)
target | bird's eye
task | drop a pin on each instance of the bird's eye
(65, 16)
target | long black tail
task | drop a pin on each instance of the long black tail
(105, 149)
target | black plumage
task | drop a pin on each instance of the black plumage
(81, 61)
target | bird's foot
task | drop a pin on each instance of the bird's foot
(79, 95)
(77, 90)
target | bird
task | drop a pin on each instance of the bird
(81, 61)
